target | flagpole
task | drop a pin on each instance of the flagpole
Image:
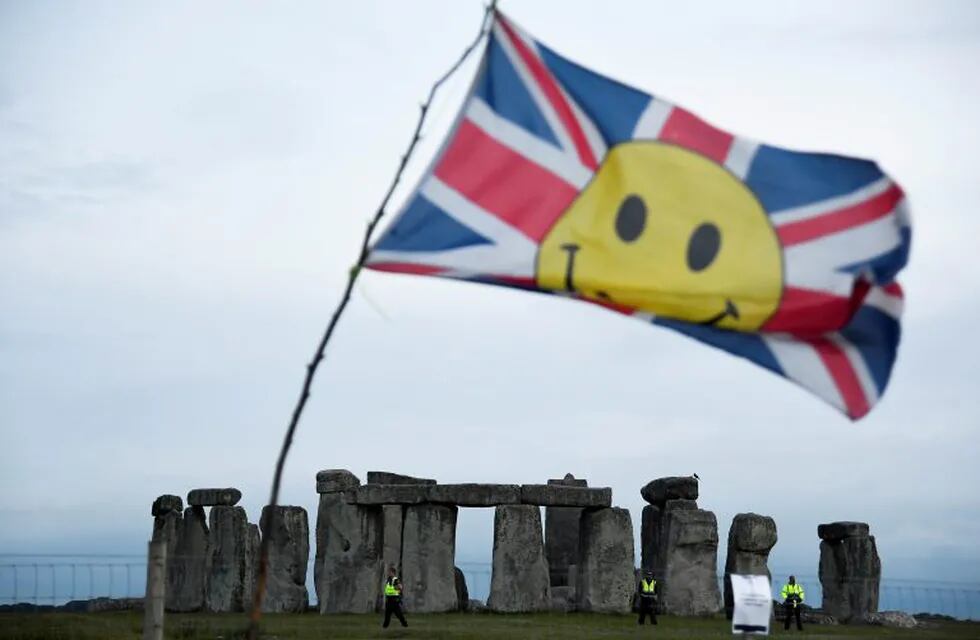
(355, 271)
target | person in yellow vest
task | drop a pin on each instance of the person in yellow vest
(792, 595)
(648, 597)
(393, 598)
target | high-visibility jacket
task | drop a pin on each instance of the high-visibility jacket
(393, 588)
(648, 588)
(792, 590)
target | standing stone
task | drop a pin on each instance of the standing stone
(605, 561)
(690, 574)
(230, 560)
(348, 572)
(289, 552)
(561, 526)
(462, 592)
(167, 523)
(653, 533)
(519, 582)
(165, 504)
(850, 570)
(187, 572)
(428, 552)
(750, 539)
(391, 552)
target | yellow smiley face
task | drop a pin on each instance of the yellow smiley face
(665, 230)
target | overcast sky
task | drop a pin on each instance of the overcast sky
(183, 187)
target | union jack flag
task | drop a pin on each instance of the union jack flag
(535, 131)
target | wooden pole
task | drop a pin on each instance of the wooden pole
(156, 591)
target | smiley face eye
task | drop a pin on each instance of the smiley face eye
(702, 248)
(631, 218)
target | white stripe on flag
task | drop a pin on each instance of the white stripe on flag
(801, 363)
(740, 156)
(796, 214)
(859, 365)
(883, 301)
(517, 138)
(651, 122)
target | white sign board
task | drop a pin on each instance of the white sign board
(753, 605)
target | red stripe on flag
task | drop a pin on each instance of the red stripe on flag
(503, 182)
(840, 220)
(406, 267)
(808, 311)
(685, 129)
(894, 289)
(843, 374)
(554, 95)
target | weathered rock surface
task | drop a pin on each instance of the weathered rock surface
(379, 494)
(563, 599)
(850, 570)
(519, 582)
(428, 551)
(561, 525)
(391, 551)
(896, 619)
(335, 480)
(288, 535)
(227, 497)
(462, 592)
(348, 572)
(605, 561)
(475, 495)
(232, 547)
(165, 504)
(548, 495)
(653, 533)
(661, 490)
(750, 538)
(834, 531)
(187, 570)
(689, 580)
(387, 477)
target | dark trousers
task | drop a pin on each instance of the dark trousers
(393, 606)
(647, 609)
(792, 610)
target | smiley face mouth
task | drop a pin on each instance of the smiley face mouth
(572, 249)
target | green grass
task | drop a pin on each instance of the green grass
(127, 625)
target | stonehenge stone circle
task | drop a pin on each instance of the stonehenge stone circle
(166, 504)
(689, 582)
(850, 570)
(231, 560)
(561, 526)
(428, 558)
(605, 561)
(187, 571)
(228, 497)
(335, 480)
(750, 538)
(289, 550)
(519, 582)
(348, 572)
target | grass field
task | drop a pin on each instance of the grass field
(127, 625)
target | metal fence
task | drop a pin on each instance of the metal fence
(55, 580)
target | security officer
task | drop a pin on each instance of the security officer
(393, 598)
(648, 597)
(792, 595)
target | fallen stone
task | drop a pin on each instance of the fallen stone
(288, 535)
(689, 583)
(475, 495)
(549, 495)
(808, 614)
(230, 558)
(662, 489)
(519, 582)
(165, 504)
(462, 592)
(386, 477)
(605, 563)
(348, 574)
(839, 530)
(379, 494)
(895, 619)
(187, 571)
(335, 480)
(750, 538)
(428, 551)
(850, 571)
(228, 497)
